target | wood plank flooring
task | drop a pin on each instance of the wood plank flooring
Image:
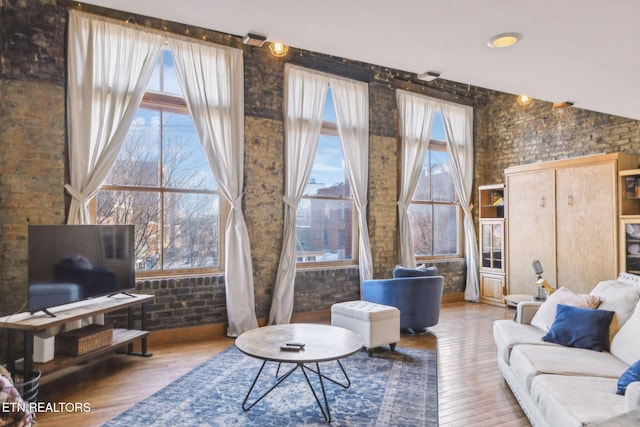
(471, 390)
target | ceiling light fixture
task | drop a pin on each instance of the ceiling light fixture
(524, 99)
(504, 40)
(278, 49)
(254, 39)
(429, 76)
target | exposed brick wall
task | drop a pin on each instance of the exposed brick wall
(509, 134)
(32, 120)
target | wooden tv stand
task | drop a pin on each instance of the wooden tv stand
(31, 324)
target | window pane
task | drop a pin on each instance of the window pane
(170, 83)
(191, 231)
(137, 162)
(183, 159)
(445, 229)
(421, 221)
(141, 209)
(329, 109)
(442, 188)
(437, 128)
(324, 230)
(423, 188)
(328, 175)
(156, 76)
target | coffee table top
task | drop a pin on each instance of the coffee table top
(322, 342)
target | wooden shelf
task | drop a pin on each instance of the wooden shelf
(121, 337)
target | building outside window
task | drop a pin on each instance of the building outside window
(162, 183)
(435, 213)
(325, 227)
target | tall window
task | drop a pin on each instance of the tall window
(162, 183)
(434, 213)
(324, 224)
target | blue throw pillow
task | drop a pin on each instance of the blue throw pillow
(580, 327)
(630, 375)
(415, 272)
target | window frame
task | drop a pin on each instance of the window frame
(437, 145)
(331, 129)
(164, 102)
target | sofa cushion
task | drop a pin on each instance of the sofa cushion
(626, 344)
(570, 401)
(618, 297)
(529, 361)
(546, 314)
(419, 271)
(580, 327)
(507, 333)
(630, 375)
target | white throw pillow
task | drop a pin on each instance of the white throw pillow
(546, 314)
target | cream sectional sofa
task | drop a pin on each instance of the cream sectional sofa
(562, 386)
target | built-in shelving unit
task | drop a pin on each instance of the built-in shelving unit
(629, 226)
(492, 238)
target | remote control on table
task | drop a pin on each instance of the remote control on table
(295, 344)
(289, 348)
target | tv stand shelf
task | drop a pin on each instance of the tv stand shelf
(30, 324)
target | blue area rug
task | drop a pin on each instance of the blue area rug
(390, 388)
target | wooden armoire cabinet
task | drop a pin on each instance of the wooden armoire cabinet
(565, 214)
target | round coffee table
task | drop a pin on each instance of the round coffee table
(322, 343)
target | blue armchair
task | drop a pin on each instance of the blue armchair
(417, 298)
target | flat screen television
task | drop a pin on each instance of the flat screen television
(70, 263)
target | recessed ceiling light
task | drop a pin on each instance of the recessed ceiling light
(504, 40)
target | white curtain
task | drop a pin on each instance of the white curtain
(109, 65)
(458, 125)
(212, 80)
(304, 99)
(415, 117)
(351, 100)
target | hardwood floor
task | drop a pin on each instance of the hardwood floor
(471, 390)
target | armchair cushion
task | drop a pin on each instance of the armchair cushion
(419, 271)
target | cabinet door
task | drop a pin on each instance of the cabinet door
(586, 225)
(630, 245)
(531, 229)
(491, 288)
(491, 245)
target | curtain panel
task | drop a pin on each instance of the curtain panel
(351, 101)
(304, 100)
(109, 66)
(212, 80)
(415, 118)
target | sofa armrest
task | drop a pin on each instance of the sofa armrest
(632, 396)
(526, 310)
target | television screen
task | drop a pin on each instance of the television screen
(69, 263)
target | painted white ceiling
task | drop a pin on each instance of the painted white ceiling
(583, 51)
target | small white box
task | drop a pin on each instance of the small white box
(44, 345)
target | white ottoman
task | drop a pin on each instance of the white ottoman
(377, 324)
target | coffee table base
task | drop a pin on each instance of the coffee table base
(326, 413)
